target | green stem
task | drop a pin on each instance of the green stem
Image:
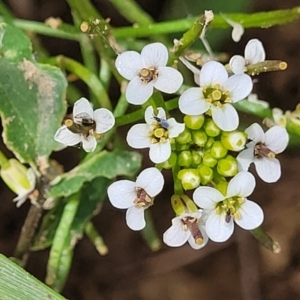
(177, 184)
(261, 20)
(265, 240)
(85, 75)
(95, 238)
(149, 233)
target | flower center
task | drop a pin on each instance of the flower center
(147, 75)
(231, 208)
(191, 224)
(216, 96)
(142, 198)
(159, 133)
(261, 150)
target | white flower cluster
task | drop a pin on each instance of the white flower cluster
(202, 151)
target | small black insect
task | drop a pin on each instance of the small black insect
(162, 122)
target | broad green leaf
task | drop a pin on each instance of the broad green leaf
(16, 283)
(103, 164)
(14, 44)
(32, 106)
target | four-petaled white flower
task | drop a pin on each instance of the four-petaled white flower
(188, 227)
(262, 149)
(147, 71)
(216, 92)
(156, 134)
(224, 210)
(85, 122)
(254, 53)
(136, 196)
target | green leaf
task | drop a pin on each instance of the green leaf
(14, 44)
(16, 283)
(105, 164)
(32, 106)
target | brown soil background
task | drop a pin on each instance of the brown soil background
(238, 269)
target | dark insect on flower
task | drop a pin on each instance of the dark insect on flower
(164, 123)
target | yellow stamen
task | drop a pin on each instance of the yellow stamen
(199, 241)
(271, 155)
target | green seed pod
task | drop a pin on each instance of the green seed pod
(184, 137)
(185, 158)
(234, 140)
(211, 128)
(199, 138)
(194, 122)
(218, 150)
(190, 178)
(206, 174)
(227, 166)
(209, 160)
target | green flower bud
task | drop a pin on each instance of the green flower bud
(209, 160)
(211, 128)
(218, 150)
(168, 164)
(194, 122)
(177, 205)
(196, 157)
(222, 187)
(184, 159)
(209, 143)
(227, 166)
(206, 174)
(199, 138)
(182, 147)
(190, 178)
(234, 140)
(184, 137)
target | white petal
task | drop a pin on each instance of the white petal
(255, 133)
(169, 80)
(89, 143)
(241, 185)
(129, 64)
(268, 169)
(154, 55)
(175, 236)
(192, 102)
(251, 215)
(138, 92)
(239, 86)
(213, 73)
(137, 136)
(237, 64)
(254, 52)
(65, 136)
(135, 218)
(149, 113)
(191, 240)
(217, 229)
(207, 197)
(225, 117)
(104, 119)
(160, 152)
(161, 113)
(122, 193)
(245, 158)
(82, 109)
(175, 128)
(276, 139)
(20, 199)
(237, 32)
(151, 180)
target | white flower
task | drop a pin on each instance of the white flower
(254, 53)
(85, 122)
(216, 92)
(223, 210)
(19, 179)
(156, 134)
(147, 71)
(262, 150)
(136, 196)
(188, 227)
(238, 29)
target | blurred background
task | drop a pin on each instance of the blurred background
(238, 269)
